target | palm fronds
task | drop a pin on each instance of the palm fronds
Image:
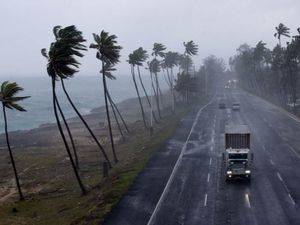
(190, 48)
(61, 55)
(107, 48)
(158, 50)
(8, 95)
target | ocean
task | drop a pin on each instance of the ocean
(85, 91)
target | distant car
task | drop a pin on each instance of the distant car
(236, 106)
(222, 105)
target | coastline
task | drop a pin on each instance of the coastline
(129, 108)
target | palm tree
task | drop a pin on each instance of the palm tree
(114, 107)
(84, 122)
(158, 51)
(62, 64)
(190, 49)
(9, 100)
(171, 60)
(132, 60)
(281, 30)
(154, 68)
(108, 52)
(141, 57)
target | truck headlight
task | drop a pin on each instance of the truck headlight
(229, 172)
(247, 171)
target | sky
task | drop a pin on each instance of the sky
(217, 26)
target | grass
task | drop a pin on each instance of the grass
(59, 200)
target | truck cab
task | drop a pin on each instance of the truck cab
(238, 157)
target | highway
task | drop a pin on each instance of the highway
(184, 183)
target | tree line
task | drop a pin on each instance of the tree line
(62, 64)
(271, 73)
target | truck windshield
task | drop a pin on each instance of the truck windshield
(238, 156)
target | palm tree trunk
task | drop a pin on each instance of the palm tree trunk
(139, 97)
(173, 93)
(85, 123)
(11, 156)
(69, 133)
(147, 97)
(64, 138)
(157, 95)
(108, 115)
(159, 91)
(170, 82)
(115, 116)
(118, 112)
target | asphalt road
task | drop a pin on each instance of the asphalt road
(184, 183)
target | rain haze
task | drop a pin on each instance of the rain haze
(217, 26)
(150, 112)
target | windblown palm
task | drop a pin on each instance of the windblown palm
(9, 100)
(75, 38)
(190, 49)
(108, 71)
(171, 60)
(108, 51)
(134, 60)
(154, 68)
(62, 64)
(281, 30)
(140, 57)
(158, 50)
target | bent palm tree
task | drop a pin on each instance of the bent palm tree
(133, 62)
(85, 123)
(108, 52)
(154, 68)
(158, 51)
(190, 49)
(281, 30)
(170, 60)
(113, 104)
(9, 100)
(62, 64)
(141, 57)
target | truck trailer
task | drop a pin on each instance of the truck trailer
(237, 157)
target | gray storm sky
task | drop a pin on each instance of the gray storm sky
(217, 26)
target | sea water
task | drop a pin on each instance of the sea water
(85, 91)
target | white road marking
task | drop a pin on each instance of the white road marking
(279, 177)
(292, 200)
(208, 177)
(286, 188)
(271, 161)
(211, 148)
(247, 200)
(293, 150)
(205, 200)
(152, 218)
(210, 161)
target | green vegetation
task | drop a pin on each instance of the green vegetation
(108, 52)
(62, 204)
(271, 74)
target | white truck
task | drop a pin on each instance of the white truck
(237, 157)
